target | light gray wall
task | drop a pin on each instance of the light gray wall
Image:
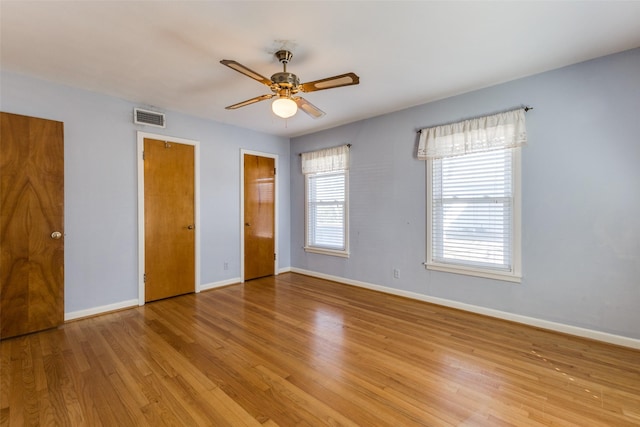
(101, 187)
(581, 198)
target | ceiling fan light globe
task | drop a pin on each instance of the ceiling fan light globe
(284, 107)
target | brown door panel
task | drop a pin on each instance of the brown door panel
(32, 208)
(169, 198)
(259, 216)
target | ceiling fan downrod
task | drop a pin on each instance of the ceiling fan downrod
(285, 79)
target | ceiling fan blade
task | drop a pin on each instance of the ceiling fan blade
(246, 71)
(308, 107)
(250, 101)
(331, 82)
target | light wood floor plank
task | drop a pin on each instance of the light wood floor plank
(294, 350)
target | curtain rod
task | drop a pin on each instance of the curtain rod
(526, 109)
(348, 145)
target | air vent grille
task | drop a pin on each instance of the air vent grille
(151, 118)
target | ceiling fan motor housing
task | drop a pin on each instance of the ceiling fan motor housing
(288, 80)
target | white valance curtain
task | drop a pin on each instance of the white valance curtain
(495, 132)
(326, 160)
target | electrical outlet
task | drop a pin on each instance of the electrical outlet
(396, 273)
(225, 265)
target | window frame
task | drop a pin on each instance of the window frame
(513, 275)
(319, 249)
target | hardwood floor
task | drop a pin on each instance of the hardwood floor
(299, 351)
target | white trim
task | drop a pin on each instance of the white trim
(220, 284)
(275, 209)
(284, 270)
(332, 252)
(516, 160)
(469, 271)
(526, 320)
(89, 312)
(196, 153)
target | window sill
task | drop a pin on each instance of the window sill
(332, 252)
(487, 274)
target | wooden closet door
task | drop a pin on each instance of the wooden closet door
(32, 224)
(259, 216)
(169, 219)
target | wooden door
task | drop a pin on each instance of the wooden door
(32, 224)
(259, 216)
(169, 219)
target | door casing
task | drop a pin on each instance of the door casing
(242, 195)
(141, 232)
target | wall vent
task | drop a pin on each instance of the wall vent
(145, 117)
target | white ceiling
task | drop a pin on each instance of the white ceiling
(165, 54)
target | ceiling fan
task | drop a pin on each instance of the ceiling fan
(286, 85)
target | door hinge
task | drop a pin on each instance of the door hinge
(274, 171)
(274, 257)
(144, 278)
(143, 155)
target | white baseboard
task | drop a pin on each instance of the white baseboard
(73, 315)
(233, 281)
(531, 321)
(219, 284)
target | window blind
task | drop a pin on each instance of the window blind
(326, 210)
(472, 210)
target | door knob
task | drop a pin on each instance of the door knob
(246, 224)
(190, 227)
(56, 235)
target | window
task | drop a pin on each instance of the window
(473, 200)
(326, 201)
(472, 214)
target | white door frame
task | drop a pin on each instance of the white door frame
(196, 206)
(275, 209)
